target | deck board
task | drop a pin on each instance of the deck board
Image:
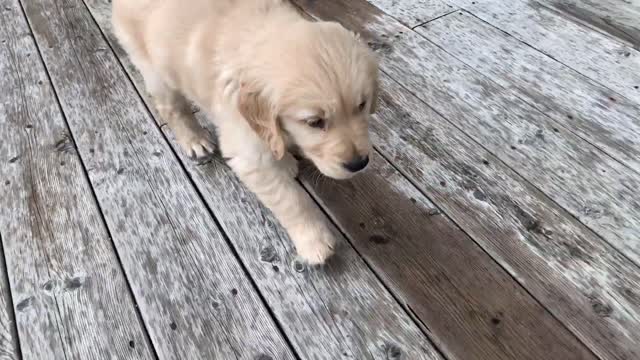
(567, 267)
(309, 303)
(467, 303)
(606, 60)
(578, 104)
(605, 199)
(69, 293)
(194, 297)
(618, 18)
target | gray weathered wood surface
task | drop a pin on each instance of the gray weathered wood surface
(193, 295)
(414, 12)
(606, 201)
(593, 187)
(470, 306)
(602, 58)
(567, 267)
(9, 347)
(503, 181)
(69, 293)
(520, 316)
(581, 106)
(314, 306)
(619, 18)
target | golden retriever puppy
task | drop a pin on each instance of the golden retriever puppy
(272, 81)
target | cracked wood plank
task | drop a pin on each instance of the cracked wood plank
(194, 297)
(342, 306)
(576, 275)
(69, 293)
(611, 63)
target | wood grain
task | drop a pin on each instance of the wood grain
(343, 307)
(9, 347)
(193, 295)
(600, 57)
(504, 302)
(581, 106)
(70, 295)
(414, 12)
(618, 18)
(458, 321)
(582, 280)
(594, 188)
(470, 306)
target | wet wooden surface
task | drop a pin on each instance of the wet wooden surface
(499, 219)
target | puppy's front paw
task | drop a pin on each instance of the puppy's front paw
(315, 244)
(197, 145)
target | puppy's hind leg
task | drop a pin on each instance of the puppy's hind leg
(175, 110)
(171, 105)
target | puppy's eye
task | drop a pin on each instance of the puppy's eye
(362, 105)
(318, 123)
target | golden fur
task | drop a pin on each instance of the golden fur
(271, 80)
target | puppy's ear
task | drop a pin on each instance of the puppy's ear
(262, 117)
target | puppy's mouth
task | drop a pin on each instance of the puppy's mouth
(335, 171)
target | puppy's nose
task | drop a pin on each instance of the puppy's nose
(356, 164)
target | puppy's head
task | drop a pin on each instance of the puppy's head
(314, 86)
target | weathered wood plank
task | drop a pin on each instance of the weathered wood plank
(460, 317)
(343, 307)
(600, 57)
(581, 106)
(9, 348)
(618, 18)
(193, 295)
(414, 12)
(597, 190)
(471, 307)
(70, 295)
(582, 280)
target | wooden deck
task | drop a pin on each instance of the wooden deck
(500, 218)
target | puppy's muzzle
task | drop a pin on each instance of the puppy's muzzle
(356, 164)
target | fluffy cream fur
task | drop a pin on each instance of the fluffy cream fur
(271, 81)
